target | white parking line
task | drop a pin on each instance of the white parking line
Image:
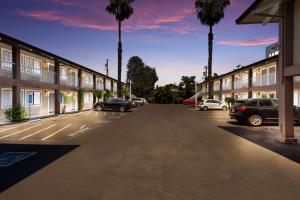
(19, 131)
(10, 128)
(37, 132)
(82, 127)
(51, 135)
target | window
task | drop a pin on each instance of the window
(6, 59)
(266, 103)
(88, 98)
(32, 65)
(33, 98)
(6, 98)
(37, 98)
(63, 72)
(252, 103)
(6, 55)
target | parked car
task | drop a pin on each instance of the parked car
(188, 102)
(258, 111)
(114, 104)
(212, 104)
(138, 101)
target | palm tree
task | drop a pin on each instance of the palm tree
(122, 10)
(210, 13)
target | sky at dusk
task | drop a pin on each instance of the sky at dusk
(164, 33)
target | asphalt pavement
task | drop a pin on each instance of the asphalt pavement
(163, 152)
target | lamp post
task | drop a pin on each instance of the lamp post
(196, 99)
(130, 90)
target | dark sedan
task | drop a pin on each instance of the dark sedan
(258, 111)
(115, 104)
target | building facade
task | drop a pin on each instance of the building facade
(44, 83)
(257, 80)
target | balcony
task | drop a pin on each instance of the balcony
(204, 90)
(69, 80)
(216, 87)
(100, 86)
(297, 79)
(227, 86)
(115, 89)
(238, 84)
(6, 69)
(37, 75)
(87, 84)
(264, 80)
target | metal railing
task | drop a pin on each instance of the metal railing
(99, 86)
(217, 87)
(69, 80)
(38, 75)
(240, 84)
(297, 79)
(264, 80)
(87, 84)
(6, 69)
(227, 86)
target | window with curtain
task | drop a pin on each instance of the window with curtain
(6, 98)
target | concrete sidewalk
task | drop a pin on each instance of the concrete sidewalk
(163, 152)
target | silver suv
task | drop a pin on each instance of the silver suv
(212, 104)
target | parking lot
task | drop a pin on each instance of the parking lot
(56, 129)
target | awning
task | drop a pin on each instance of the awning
(261, 12)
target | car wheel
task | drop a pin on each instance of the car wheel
(224, 108)
(205, 108)
(255, 120)
(99, 108)
(122, 109)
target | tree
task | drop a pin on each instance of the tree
(99, 94)
(187, 86)
(122, 10)
(124, 91)
(107, 94)
(142, 77)
(210, 13)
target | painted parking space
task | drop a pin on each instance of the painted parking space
(56, 129)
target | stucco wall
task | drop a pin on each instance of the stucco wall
(297, 33)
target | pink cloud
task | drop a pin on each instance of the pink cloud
(168, 15)
(250, 42)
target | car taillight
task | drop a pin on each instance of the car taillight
(242, 108)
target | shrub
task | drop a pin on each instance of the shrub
(16, 113)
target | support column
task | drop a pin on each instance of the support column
(250, 79)
(57, 91)
(16, 54)
(94, 86)
(221, 88)
(80, 98)
(112, 86)
(104, 83)
(285, 85)
(232, 86)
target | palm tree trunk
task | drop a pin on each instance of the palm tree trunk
(119, 61)
(210, 51)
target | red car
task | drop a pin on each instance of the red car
(189, 102)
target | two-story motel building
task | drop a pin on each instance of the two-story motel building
(257, 80)
(45, 83)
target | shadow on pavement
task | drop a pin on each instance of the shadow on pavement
(18, 161)
(266, 140)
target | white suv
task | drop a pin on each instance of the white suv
(211, 104)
